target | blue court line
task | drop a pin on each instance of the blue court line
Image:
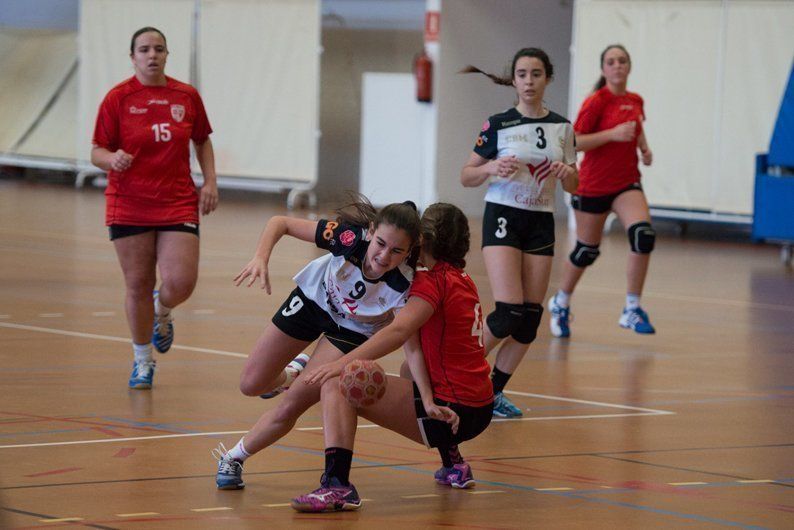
(36, 433)
(573, 495)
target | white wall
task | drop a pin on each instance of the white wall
(712, 74)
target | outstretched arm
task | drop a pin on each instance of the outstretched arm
(277, 227)
(407, 322)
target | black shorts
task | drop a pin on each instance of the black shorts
(527, 230)
(302, 319)
(119, 231)
(437, 433)
(599, 203)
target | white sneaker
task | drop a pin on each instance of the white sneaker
(558, 319)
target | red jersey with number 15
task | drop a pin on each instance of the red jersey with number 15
(154, 124)
(452, 338)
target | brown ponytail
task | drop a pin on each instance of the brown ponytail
(507, 80)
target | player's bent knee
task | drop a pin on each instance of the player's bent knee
(505, 319)
(529, 326)
(583, 254)
(642, 237)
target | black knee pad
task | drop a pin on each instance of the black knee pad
(529, 326)
(505, 319)
(642, 237)
(583, 255)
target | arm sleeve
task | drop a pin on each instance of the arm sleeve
(106, 130)
(485, 145)
(425, 288)
(201, 125)
(589, 115)
(338, 238)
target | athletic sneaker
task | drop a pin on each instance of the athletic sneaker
(163, 331)
(331, 496)
(458, 476)
(142, 374)
(636, 319)
(292, 370)
(558, 319)
(504, 408)
(230, 471)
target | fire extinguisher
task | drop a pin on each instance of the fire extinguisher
(423, 71)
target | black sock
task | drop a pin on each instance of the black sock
(450, 455)
(499, 380)
(337, 464)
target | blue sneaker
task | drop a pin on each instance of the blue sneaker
(458, 476)
(331, 496)
(293, 369)
(230, 471)
(558, 319)
(163, 331)
(504, 408)
(142, 374)
(636, 319)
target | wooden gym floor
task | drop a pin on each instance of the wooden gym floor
(689, 428)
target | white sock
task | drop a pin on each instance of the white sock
(238, 452)
(142, 352)
(159, 309)
(632, 301)
(562, 299)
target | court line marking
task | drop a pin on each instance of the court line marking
(757, 481)
(50, 315)
(125, 340)
(136, 514)
(484, 492)
(218, 509)
(62, 520)
(425, 496)
(687, 483)
(158, 437)
(282, 505)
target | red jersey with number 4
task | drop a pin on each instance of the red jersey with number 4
(154, 124)
(613, 166)
(452, 338)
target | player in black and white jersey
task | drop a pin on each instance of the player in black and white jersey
(342, 298)
(522, 153)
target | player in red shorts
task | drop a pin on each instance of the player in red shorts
(609, 130)
(451, 395)
(142, 139)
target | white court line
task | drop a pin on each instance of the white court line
(582, 417)
(585, 402)
(125, 340)
(159, 437)
(50, 315)
(103, 313)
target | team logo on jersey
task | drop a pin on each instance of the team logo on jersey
(540, 171)
(347, 238)
(511, 123)
(136, 110)
(482, 139)
(381, 301)
(178, 112)
(157, 102)
(328, 233)
(486, 125)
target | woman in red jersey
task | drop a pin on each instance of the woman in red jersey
(142, 139)
(609, 130)
(451, 395)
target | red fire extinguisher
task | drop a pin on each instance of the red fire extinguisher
(423, 71)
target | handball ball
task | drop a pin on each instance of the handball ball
(362, 383)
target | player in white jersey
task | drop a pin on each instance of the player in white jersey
(521, 153)
(342, 298)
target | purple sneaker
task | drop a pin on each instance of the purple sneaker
(331, 496)
(458, 476)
